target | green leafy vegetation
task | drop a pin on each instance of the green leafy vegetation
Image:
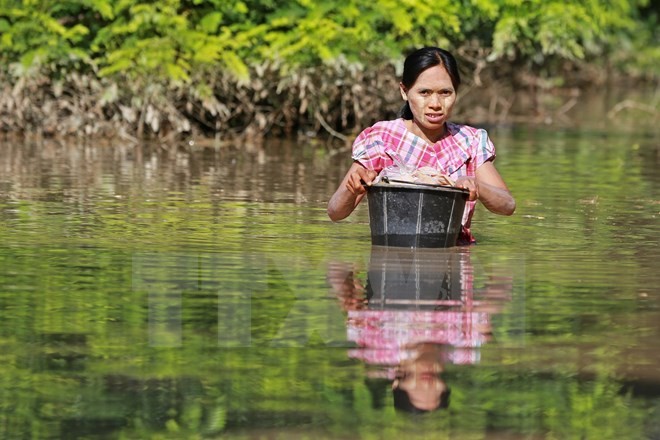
(219, 66)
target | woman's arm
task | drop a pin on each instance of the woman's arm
(489, 187)
(350, 192)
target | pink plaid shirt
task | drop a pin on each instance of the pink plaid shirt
(459, 153)
(383, 335)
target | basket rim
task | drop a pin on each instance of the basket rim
(416, 186)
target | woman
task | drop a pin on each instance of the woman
(423, 137)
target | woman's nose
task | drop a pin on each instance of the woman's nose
(435, 101)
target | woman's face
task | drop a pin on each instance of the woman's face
(431, 99)
(420, 379)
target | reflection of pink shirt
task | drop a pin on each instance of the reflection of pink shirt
(389, 359)
(459, 153)
(384, 335)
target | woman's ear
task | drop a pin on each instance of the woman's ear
(404, 93)
(395, 384)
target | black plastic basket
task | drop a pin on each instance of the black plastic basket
(415, 215)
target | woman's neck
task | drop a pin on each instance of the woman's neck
(429, 136)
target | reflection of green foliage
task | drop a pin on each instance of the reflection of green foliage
(563, 406)
(108, 373)
(74, 339)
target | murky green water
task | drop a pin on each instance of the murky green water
(203, 293)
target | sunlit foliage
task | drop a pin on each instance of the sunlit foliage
(154, 48)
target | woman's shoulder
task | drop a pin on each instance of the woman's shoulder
(369, 145)
(387, 127)
(382, 132)
(473, 140)
(464, 130)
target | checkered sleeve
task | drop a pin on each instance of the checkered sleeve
(368, 149)
(484, 148)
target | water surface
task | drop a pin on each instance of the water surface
(200, 292)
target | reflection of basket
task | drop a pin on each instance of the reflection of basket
(417, 279)
(414, 215)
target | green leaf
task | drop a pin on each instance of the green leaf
(235, 65)
(210, 22)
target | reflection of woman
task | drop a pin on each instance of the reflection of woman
(423, 137)
(416, 314)
(419, 386)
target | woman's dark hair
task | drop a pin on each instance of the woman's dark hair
(402, 401)
(419, 61)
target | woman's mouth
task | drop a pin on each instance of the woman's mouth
(427, 376)
(434, 117)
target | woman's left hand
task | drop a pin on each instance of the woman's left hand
(469, 183)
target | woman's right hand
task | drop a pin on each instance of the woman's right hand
(358, 177)
(350, 192)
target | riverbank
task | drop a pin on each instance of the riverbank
(322, 103)
(216, 69)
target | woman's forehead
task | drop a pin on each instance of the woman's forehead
(433, 77)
